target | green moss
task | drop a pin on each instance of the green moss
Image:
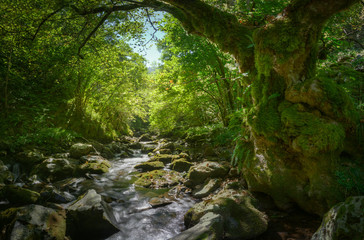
(149, 166)
(267, 92)
(95, 167)
(20, 195)
(342, 105)
(310, 133)
(158, 179)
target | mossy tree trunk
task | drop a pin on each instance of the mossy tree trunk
(300, 122)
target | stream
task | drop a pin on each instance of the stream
(135, 217)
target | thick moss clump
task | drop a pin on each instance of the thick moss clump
(149, 166)
(158, 179)
(309, 133)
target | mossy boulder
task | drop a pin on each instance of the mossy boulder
(344, 221)
(80, 149)
(30, 157)
(94, 164)
(158, 179)
(54, 169)
(150, 166)
(240, 219)
(33, 222)
(5, 175)
(89, 217)
(200, 172)
(19, 195)
(181, 165)
(147, 148)
(165, 158)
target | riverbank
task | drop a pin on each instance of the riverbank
(147, 187)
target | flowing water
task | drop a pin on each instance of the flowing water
(135, 216)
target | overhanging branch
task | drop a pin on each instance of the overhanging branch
(104, 18)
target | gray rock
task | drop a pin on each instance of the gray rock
(80, 149)
(54, 169)
(200, 172)
(209, 227)
(34, 222)
(240, 219)
(90, 217)
(343, 221)
(208, 188)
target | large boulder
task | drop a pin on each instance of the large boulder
(181, 165)
(200, 172)
(33, 222)
(149, 166)
(18, 195)
(53, 169)
(240, 219)
(158, 179)
(80, 149)
(344, 221)
(90, 217)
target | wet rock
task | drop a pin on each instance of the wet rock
(158, 179)
(159, 202)
(33, 222)
(19, 195)
(240, 219)
(51, 194)
(5, 175)
(165, 158)
(54, 169)
(181, 165)
(147, 148)
(80, 149)
(210, 226)
(135, 145)
(200, 172)
(208, 188)
(30, 158)
(90, 218)
(145, 137)
(150, 166)
(344, 221)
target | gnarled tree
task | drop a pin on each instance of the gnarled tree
(301, 123)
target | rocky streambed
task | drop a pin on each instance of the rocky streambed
(142, 188)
